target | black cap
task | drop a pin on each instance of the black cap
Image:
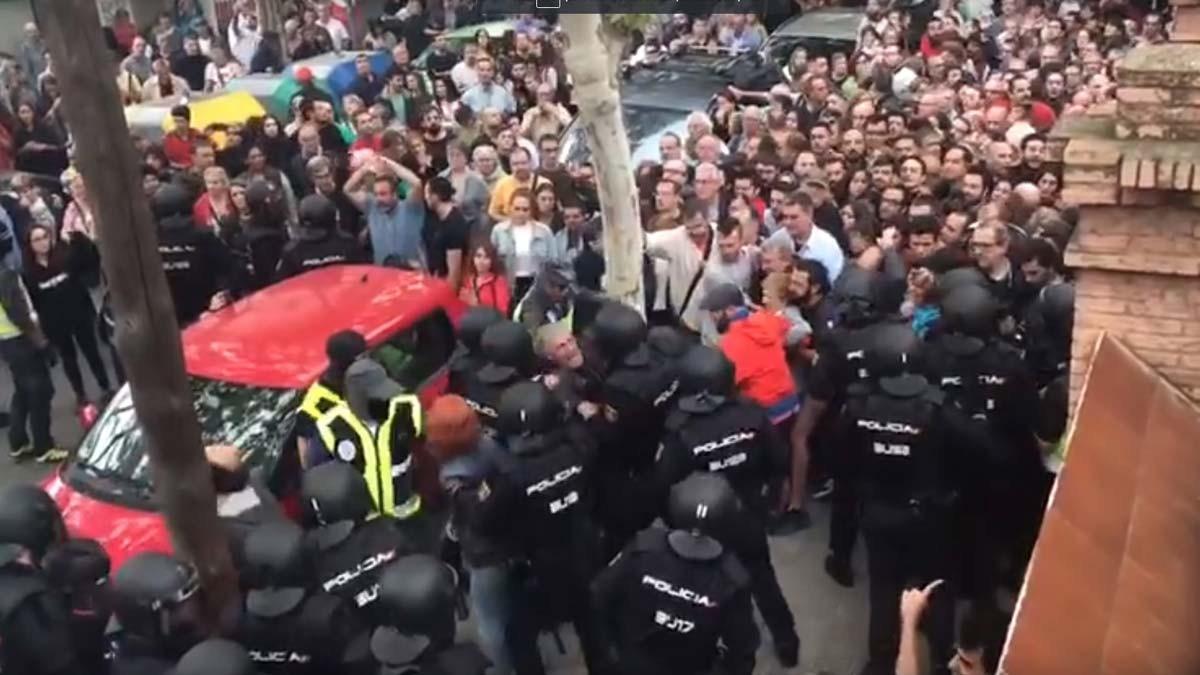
(722, 296)
(29, 521)
(343, 347)
(216, 656)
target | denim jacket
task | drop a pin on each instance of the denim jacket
(541, 247)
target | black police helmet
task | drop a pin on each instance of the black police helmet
(618, 331)
(959, 277)
(668, 342)
(343, 347)
(894, 350)
(970, 310)
(706, 380)
(317, 212)
(416, 593)
(276, 562)
(527, 409)
(508, 348)
(334, 499)
(170, 201)
(77, 563)
(216, 656)
(29, 521)
(702, 506)
(474, 322)
(856, 284)
(150, 582)
(275, 551)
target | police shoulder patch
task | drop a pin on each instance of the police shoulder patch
(346, 450)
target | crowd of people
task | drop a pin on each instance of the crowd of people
(854, 292)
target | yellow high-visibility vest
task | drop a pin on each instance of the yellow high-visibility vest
(348, 439)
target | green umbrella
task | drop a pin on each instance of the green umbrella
(281, 98)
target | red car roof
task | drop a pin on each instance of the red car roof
(276, 337)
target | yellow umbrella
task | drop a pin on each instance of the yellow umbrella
(233, 107)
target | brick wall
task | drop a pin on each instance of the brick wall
(1157, 315)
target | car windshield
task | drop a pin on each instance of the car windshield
(643, 125)
(255, 420)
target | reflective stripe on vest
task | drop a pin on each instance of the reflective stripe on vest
(413, 503)
(372, 454)
(318, 400)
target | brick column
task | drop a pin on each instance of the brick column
(1135, 173)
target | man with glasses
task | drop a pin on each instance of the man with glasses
(551, 169)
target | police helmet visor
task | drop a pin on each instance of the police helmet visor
(694, 546)
(273, 602)
(495, 373)
(393, 649)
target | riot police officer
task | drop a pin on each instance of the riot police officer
(637, 392)
(155, 598)
(508, 349)
(216, 656)
(712, 430)
(673, 594)
(1046, 329)
(417, 596)
(468, 357)
(79, 569)
(350, 552)
(319, 242)
(546, 490)
(987, 379)
(907, 449)
(288, 627)
(37, 636)
(197, 265)
(839, 373)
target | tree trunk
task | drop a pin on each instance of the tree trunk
(147, 336)
(596, 94)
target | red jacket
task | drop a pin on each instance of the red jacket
(490, 291)
(756, 347)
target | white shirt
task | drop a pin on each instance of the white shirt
(337, 31)
(523, 242)
(243, 41)
(463, 76)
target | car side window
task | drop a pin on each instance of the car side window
(415, 354)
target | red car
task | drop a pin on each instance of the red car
(249, 365)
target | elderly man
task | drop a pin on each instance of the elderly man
(710, 195)
(164, 83)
